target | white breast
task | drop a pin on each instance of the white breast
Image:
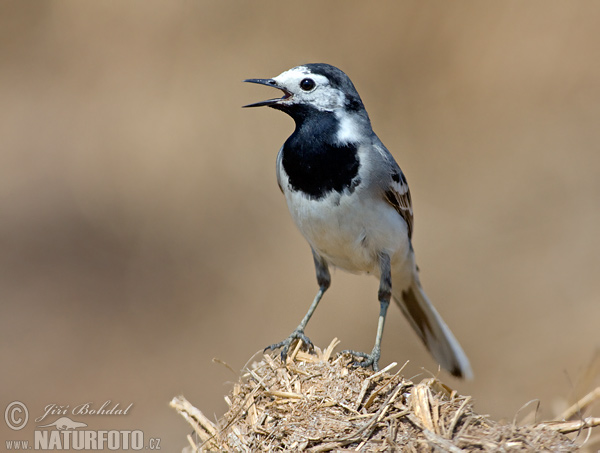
(349, 231)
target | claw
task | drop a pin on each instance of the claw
(296, 335)
(369, 360)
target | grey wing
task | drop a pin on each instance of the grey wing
(395, 188)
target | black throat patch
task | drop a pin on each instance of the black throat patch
(314, 163)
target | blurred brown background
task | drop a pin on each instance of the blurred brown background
(142, 232)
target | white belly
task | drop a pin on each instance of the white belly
(350, 236)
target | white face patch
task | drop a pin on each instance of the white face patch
(350, 130)
(323, 96)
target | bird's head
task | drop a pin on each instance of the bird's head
(312, 87)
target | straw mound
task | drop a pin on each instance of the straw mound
(317, 403)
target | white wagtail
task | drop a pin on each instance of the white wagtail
(350, 200)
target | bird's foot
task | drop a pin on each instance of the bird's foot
(297, 335)
(368, 360)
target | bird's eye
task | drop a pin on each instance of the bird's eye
(307, 84)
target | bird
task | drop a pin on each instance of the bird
(351, 202)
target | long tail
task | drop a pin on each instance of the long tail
(432, 329)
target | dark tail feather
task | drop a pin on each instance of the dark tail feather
(432, 330)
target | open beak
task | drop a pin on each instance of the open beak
(268, 102)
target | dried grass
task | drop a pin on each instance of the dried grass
(317, 403)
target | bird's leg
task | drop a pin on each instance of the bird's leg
(384, 295)
(324, 280)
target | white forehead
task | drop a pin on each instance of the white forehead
(324, 97)
(295, 75)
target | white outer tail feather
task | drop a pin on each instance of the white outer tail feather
(432, 329)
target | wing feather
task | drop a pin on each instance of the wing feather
(398, 195)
